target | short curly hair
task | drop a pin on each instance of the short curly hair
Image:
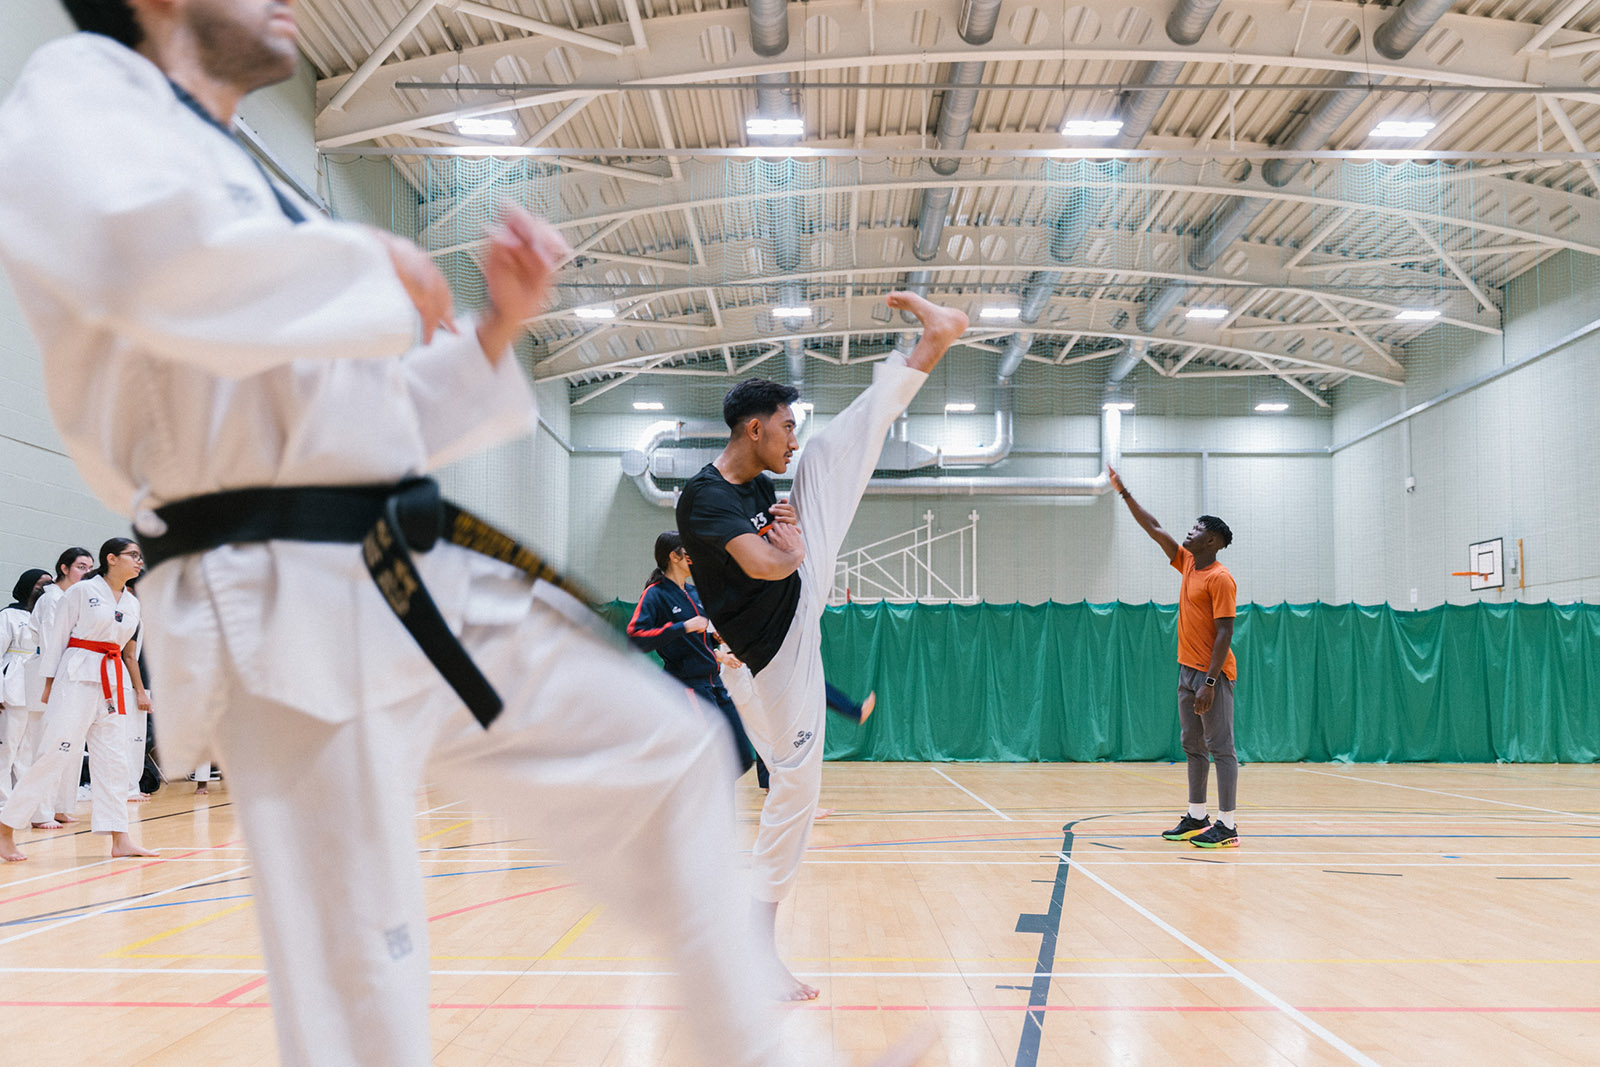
(755, 398)
(1215, 525)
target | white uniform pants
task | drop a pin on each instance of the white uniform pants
(13, 729)
(785, 721)
(597, 755)
(65, 797)
(77, 715)
(138, 726)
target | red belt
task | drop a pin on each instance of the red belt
(109, 651)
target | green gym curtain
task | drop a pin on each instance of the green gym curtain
(1024, 682)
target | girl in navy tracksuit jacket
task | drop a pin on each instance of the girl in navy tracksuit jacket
(670, 622)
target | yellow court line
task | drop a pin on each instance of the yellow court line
(447, 829)
(127, 949)
(555, 950)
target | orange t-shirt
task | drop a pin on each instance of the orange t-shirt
(1205, 596)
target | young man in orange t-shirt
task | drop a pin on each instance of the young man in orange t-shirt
(1206, 670)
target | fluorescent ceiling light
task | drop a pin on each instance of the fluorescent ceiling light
(1117, 405)
(999, 313)
(1273, 406)
(594, 313)
(1091, 127)
(964, 406)
(648, 405)
(791, 313)
(1206, 313)
(1416, 315)
(757, 126)
(1403, 128)
(486, 127)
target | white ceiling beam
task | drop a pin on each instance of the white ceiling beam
(1358, 333)
(675, 58)
(386, 47)
(528, 25)
(1455, 268)
(635, 24)
(1563, 15)
(1304, 389)
(1394, 261)
(1324, 232)
(1575, 48)
(1570, 132)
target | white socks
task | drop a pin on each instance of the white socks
(1226, 818)
(1197, 811)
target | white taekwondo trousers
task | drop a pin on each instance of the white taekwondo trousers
(786, 719)
(196, 341)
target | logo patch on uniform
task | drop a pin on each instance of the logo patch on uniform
(676, 610)
(94, 602)
(65, 746)
(801, 738)
(117, 615)
(399, 941)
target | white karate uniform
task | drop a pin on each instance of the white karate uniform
(197, 341)
(80, 709)
(785, 712)
(64, 798)
(18, 645)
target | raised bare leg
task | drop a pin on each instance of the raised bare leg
(941, 328)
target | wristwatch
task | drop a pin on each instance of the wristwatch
(1211, 679)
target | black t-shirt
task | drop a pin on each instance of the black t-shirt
(752, 615)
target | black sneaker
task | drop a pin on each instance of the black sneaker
(1187, 827)
(1219, 836)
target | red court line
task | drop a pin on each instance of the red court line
(1208, 1009)
(223, 1001)
(113, 874)
(500, 900)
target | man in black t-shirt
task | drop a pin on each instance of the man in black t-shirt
(764, 568)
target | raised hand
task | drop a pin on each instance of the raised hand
(1116, 480)
(519, 269)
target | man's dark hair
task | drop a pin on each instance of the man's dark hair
(755, 398)
(109, 18)
(1215, 525)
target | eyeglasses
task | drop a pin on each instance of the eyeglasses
(133, 554)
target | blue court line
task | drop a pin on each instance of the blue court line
(1253, 837)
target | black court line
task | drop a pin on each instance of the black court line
(1370, 874)
(76, 908)
(1047, 926)
(1102, 844)
(1202, 859)
(153, 818)
(1531, 878)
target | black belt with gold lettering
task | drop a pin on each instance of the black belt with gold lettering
(390, 522)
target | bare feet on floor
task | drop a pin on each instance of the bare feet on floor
(138, 798)
(123, 845)
(48, 824)
(822, 813)
(941, 327)
(792, 990)
(8, 846)
(65, 817)
(201, 791)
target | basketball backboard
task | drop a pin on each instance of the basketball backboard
(1486, 564)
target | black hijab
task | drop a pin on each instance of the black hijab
(23, 590)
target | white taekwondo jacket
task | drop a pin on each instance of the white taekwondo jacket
(196, 340)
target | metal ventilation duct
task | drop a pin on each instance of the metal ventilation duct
(1400, 33)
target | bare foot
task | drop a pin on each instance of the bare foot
(792, 990)
(201, 791)
(8, 846)
(64, 817)
(48, 824)
(822, 813)
(941, 327)
(868, 704)
(123, 845)
(138, 798)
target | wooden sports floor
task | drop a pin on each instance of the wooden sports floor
(1028, 914)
